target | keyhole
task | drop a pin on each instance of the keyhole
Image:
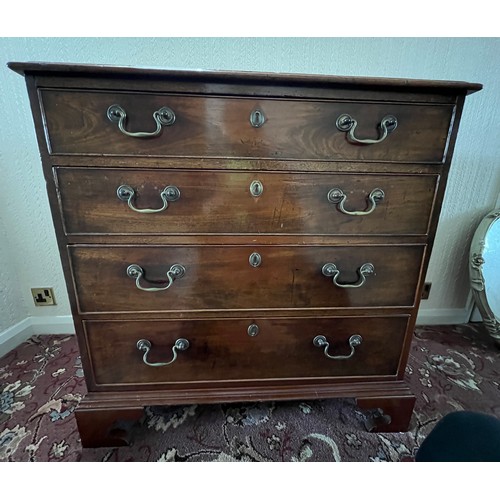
(257, 118)
(255, 259)
(256, 188)
(253, 330)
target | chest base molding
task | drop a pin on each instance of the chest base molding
(106, 419)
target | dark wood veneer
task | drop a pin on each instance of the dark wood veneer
(222, 351)
(291, 203)
(76, 123)
(212, 153)
(103, 71)
(220, 277)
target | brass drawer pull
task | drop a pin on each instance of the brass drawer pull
(346, 123)
(145, 345)
(136, 272)
(338, 197)
(163, 117)
(354, 341)
(330, 271)
(126, 193)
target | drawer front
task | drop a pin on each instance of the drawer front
(223, 350)
(243, 277)
(77, 123)
(243, 202)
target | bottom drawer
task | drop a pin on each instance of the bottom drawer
(223, 350)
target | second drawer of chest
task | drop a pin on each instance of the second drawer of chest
(129, 201)
(176, 278)
(122, 352)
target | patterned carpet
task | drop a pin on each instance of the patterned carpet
(41, 382)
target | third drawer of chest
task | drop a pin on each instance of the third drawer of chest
(129, 201)
(175, 278)
(124, 353)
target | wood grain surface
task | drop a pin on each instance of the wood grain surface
(221, 277)
(77, 123)
(222, 350)
(212, 153)
(220, 202)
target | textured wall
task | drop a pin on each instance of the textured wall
(28, 253)
(12, 307)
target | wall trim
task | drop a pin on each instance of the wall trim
(47, 325)
(63, 325)
(457, 316)
(15, 335)
(34, 325)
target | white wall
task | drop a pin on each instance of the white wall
(28, 253)
(12, 306)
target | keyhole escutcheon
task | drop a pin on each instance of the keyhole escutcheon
(255, 259)
(257, 118)
(256, 188)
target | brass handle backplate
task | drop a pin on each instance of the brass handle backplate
(162, 117)
(136, 272)
(354, 341)
(346, 123)
(127, 193)
(338, 197)
(330, 270)
(145, 345)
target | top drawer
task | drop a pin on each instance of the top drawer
(78, 122)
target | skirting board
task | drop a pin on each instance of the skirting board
(22, 331)
(63, 325)
(456, 316)
(443, 316)
(60, 325)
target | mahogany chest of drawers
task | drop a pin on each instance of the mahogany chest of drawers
(241, 236)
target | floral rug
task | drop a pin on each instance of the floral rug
(41, 383)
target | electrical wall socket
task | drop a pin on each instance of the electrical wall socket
(426, 291)
(43, 296)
